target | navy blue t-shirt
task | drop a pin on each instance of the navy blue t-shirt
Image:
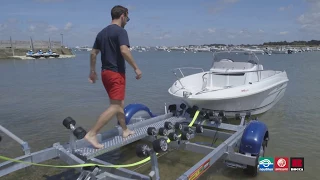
(108, 41)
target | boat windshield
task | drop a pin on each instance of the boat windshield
(235, 56)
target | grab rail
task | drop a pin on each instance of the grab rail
(180, 70)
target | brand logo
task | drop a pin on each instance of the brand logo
(265, 164)
(296, 164)
(281, 164)
(195, 175)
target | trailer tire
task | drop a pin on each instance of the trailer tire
(173, 136)
(163, 131)
(68, 121)
(185, 136)
(160, 145)
(178, 126)
(253, 170)
(168, 125)
(142, 150)
(199, 129)
(151, 131)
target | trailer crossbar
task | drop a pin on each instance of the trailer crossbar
(239, 149)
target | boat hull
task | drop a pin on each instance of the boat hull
(232, 87)
(256, 103)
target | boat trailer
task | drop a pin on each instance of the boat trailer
(175, 128)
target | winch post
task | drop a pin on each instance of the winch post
(165, 108)
(72, 142)
(25, 145)
(154, 174)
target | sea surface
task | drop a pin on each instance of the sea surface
(36, 95)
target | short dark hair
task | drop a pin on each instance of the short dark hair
(117, 11)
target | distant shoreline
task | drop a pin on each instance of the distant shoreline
(20, 53)
(29, 58)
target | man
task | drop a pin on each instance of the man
(113, 42)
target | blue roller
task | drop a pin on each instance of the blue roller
(132, 109)
(253, 136)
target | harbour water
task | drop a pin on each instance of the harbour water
(36, 95)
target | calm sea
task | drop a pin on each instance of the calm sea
(36, 95)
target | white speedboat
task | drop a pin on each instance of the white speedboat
(231, 86)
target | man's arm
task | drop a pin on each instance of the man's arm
(128, 57)
(93, 57)
(124, 48)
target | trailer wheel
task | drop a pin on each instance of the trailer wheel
(199, 129)
(151, 131)
(168, 125)
(185, 136)
(163, 131)
(188, 129)
(160, 145)
(253, 170)
(224, 119)
(173, 136)
(178, 126)
(68, 121)
(142, 150)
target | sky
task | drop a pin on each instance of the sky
(163, 23)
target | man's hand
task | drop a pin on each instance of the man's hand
(138, 73)
(93, 77)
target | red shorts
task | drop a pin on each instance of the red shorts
(114, 83)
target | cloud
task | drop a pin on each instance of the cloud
(130, 7)
(3, 27)
(51, 28)
(68, 26)
(163, 35)
(154, 17)
(13, 21)
(286, 8)
(211, 30)
(22, 30)
(48, 1)
(312, 1)
(10, 26)
(214, 8)
(310, 20)
(284, 33)
(40, 27)
(31, 28)
(245, 33)
(230, 1)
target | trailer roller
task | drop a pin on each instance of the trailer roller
(166, 132)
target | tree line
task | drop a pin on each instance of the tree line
(276, 43)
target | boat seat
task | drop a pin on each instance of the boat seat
(234, 67)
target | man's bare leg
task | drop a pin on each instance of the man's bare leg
(104, 118)
(122, 121)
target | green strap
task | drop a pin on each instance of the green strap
(93, 164)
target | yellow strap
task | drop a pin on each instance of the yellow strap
(93, 164)
(78, 165)
(190, 124)
(194, 118)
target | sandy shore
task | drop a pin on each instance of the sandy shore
(27, 58)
